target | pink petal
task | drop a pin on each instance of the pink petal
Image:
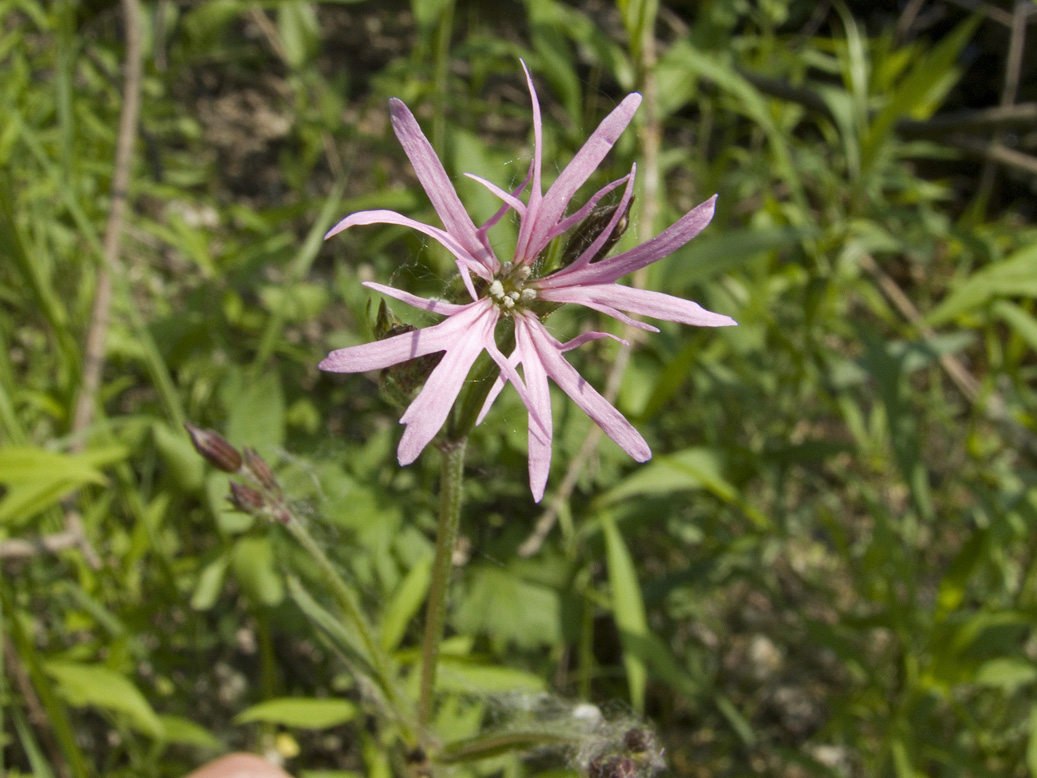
(584, 395)
(539, 436)
(639, 301)
(536, 191)
(498, 386)
(437, 185)
(549, 212)
(463, 255)
(592, 250)
(508, 373)
(426, 415)
(510, 200)
(662, 245)
(434, 306)
(400, 348)
(504, 208)
(575, 295)
(569, 221)
(579, 340)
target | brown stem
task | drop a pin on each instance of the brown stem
(101, 313)
(965, 382)
(1009, 90)
(70, 537)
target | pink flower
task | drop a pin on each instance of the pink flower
(512, 290)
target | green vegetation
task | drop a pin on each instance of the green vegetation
(829, 567)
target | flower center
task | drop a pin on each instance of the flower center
(508, 289)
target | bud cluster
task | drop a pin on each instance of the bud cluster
(261, 496)
(639, 756)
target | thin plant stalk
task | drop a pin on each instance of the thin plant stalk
(451, 482)
(351, 608)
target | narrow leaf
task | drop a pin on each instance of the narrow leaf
(627, 609)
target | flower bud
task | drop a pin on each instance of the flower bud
(640, 741)
(418, 764)
(246, 499)
(612, 767)
(260, 470)
(400, 381)
(214, 449)
(590, 228)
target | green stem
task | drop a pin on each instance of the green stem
(344, 595)
(450, 494)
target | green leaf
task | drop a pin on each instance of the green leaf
(920, 92)
(26, 464)
(511, 608)
(713, 254)
(182, 462)
(404, 603)
(299, 31)
(1008, 673)
(98, 686)
(1023, 322)
(297, 302)
(1011, 277)
(739, 723)
(185, 732)
(210, 583)
(256, 415)
(1031, 743)
(688, 470)
(300, 712)
(37, 478)
(952, 588)
(427, 12)
(463, 676)
(338, 633)
(485, 746)
(627, 609)
(252, 560)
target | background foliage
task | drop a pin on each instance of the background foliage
(827, 569)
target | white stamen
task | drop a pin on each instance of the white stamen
(529, 294)
(513, 295)
(496, 289)
(508, 303)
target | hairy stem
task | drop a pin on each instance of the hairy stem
(351, 608)
(451, 482)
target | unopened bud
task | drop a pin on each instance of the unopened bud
(261, 471)
(388, 323)
(214, 449)
(418, 763)
(612, 767)
(640, 741)
(591, 228)
(246, 499)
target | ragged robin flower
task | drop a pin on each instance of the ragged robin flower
(513, 290)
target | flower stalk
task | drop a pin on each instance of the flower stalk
(451, 492)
